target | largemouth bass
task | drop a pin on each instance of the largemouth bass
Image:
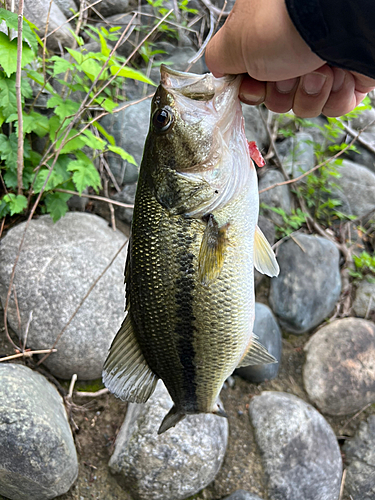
(190, 266)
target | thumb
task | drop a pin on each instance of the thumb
(223, 52)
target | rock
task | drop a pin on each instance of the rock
(297, 153)
(355, 189)
(129, 128)
(360, 457)
(363, 156)
(278, 197)
(299, 450)
(36, 11)
(268, 331)
(242, 495)
(57, 266)
(364, 302)
(176, 464)
(309, 283)
(254, 127)
(111, 7)
(38, 460)
(127, 196)
(67, 7)
(339, 373)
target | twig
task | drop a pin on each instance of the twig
(342, 484)
(355, 416)
(2, 227)
(199, 54)
(95, 197)
(273, 145)
(111, 209)
(27, 330)
(26, 354)
(82, 301)
(45, 41)
(19, 99)
(17, 308)
(215, 10)
(298, 243)
(368, 307)
(71, 386)
(334, 157)
(361, 141)
(96, 394)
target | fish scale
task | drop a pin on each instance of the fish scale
(189, 273)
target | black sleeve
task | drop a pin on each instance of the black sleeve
(341, 32)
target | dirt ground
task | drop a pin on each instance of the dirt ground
(96, 422)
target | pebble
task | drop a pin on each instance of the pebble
(299, 450)
(176, 464)
(309, 283)
(339, 373)
(360, 457)
(38, 460)
(269, 333)
(57, 266)
(364, 302)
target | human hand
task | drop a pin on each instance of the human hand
(260, 39)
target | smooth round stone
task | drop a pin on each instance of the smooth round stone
(360, 457)
(297, 153)
(175, 464)
(300, 454)
(38, 460)
(269, 333)
(57, 266)
(278, 197)
(364, 302)
(339, 373)
(309, 283)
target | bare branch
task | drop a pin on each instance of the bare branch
(19, 99)
(26, 354)
(95, 197)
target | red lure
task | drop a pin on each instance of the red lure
(255, 154)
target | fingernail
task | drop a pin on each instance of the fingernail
(286, 86)
(251, 99)
(338, 79)
(313, 83)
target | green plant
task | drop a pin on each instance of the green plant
(292, 222)
(73, 139)
(365, 266)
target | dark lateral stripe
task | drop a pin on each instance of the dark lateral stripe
(185, 323)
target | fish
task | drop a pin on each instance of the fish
(194, 242)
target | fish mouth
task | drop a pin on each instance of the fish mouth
(197, 87)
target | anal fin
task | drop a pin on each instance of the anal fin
(212, 250)
(264, 259)
(126, 372)
(256, 354)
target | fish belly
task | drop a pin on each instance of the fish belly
(191, 334)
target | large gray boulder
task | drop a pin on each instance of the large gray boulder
(38, 460)
(297, 153)
(339, 373)
(355, 188)
(176, 464)
(36, 11)
(129, 127)
(300, 453)
(309, 283)
(57, 266)
(269, 333)
(360, 457)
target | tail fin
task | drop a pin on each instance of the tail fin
(171, 419)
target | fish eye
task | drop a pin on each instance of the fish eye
(162, 119)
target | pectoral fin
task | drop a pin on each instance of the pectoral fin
(212, 251)
(126, 372)
(256, 354)
(264, 259)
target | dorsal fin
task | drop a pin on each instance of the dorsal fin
(126, 372)
(264, 259)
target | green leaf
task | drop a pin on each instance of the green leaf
(92, 69)
(85, 174)
(8, 54)
(131, 73)
(38, 78)
(8, 150)
(102, 130)
(106, 103)
(56, 205)
(16, 203)
(8, 100)
(60, 65)
(94, 142)
(63, 107)
(11, 20)
(124, 155)
(103, 44)
(35, 122)
(54, 180)
(77, 56)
